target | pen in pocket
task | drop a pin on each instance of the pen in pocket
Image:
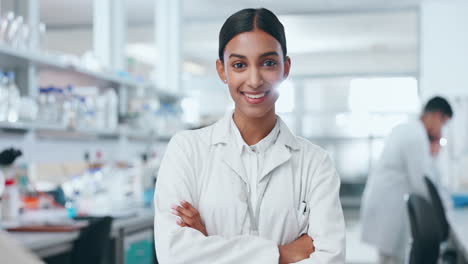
(303, 207)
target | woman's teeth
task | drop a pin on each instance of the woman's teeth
(255, 96)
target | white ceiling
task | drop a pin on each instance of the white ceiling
(323, 35)
(341, 39)
(68, 12)
(327, 33)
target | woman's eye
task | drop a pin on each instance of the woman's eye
(238, 65)
(269, 63)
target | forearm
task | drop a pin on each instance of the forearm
(296, 251)
(175, 244)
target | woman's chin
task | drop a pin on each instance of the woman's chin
(256, 113)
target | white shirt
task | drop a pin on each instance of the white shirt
(253, 157)
(204, 168)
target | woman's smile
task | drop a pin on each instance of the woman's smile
(255, 97)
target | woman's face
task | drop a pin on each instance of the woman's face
(254, 66)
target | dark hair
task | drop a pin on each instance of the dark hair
(439, 104)
(247, 20)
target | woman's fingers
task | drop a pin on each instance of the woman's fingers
(188, 206)
(189, 220)
(188, 216)
(181, 223)
(179, 210)
(182, 220)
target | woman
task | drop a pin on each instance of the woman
(246, 190)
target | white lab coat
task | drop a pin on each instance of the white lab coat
(202, 167)
(400, 170)
(13, 251)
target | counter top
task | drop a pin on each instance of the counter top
(48, 244)
(142, 219)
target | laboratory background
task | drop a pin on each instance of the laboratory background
(91, 92)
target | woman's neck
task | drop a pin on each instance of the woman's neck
(253, 130)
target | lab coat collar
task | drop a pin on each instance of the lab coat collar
(261, 146)
(222, 134)
(281, 152)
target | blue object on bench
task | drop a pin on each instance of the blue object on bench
(460, 200)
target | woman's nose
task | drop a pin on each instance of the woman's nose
(255, 79)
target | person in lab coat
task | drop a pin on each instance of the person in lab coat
(405, 160)
(246, 189)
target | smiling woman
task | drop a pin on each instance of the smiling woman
(247, 190)
(253, 61)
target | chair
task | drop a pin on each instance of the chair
(424, 230)
(436, 201)
(438, 208)
(93, 242)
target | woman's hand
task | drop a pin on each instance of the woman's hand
(189, 217)
(297, 250)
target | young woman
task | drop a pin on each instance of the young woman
(246, 190)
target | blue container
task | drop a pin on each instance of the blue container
(460, 200)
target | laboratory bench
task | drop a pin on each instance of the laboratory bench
(458, 221)
(131, 240)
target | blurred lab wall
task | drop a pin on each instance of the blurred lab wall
(444, 64)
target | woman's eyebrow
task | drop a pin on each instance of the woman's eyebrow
(269, 53)
(261, 56)
(237, 55)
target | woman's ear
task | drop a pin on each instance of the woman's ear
(287, 67)
(220, 70)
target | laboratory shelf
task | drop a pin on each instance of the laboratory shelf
(14, 58)
(24, 126)
(61, 132)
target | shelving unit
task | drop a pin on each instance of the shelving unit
(35, 67)
(10, 57)
(27, 60)
(62, 132)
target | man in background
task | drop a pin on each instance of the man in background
(405, 160)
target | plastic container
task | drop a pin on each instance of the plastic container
(42, 45)
(42, 105)
(3, 97)
(112, 109)
(13, 30)
(14, 99)
(10, 201)
(2, 186)
(69, 108)
(101, 112)
(2, 183)
(5, 23)
(71, 207)
(52, 105)
(59, 100)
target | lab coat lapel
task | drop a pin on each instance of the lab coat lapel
(232, 158)
(281, 150)
(230, 155)
(279, 155)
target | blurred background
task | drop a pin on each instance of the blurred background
(91, 92)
